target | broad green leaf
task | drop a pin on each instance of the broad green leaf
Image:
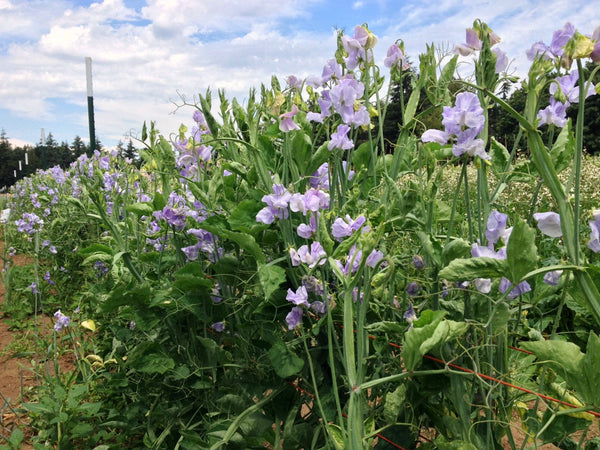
(95, 248)
(394, 402)
(563, 148)
(301, 147)
(471, 268)
(411, 106)
(444, 331)
(431, 247)
(455, 249)
(284, 361)
(500, 157)
(521, 252)
(270, 278)
(411, 350)
(140, 209)
(243, 217)
(190, 277)
(362, 156)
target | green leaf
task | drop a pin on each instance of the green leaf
(270, 278)
(500, 157)
(580, 370)
(431, 247)
(411, 354)
(158, 202)
(521, 252)
(243, 217)
(563, 148)
(455, 249)
(411, 106)
(471, 268)
(140, 209)
(301, 147)
(394, 402)
(284, 361)
(362, 156)
(191, 277)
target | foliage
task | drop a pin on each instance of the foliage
(281, 275)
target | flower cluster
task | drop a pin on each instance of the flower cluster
(566, 89)
(462, 124)
(30, 223)
(474, 44)
(496, 230)
(62, 321)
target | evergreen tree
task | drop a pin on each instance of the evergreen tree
(78, 147)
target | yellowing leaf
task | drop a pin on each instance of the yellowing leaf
(89, 325)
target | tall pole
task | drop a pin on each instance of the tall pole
(43, 141)
(90, 101)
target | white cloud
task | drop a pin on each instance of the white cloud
(143, 57)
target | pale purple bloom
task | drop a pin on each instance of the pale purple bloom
(33, 288)
(277, 205)
(439, 136)
(519, 289)
(294, 82)
(313, 256)
(318, 307)
(320, 179)
(355, 47)
(410, 315)
(560, 38)
(340, 139)
(419, 262)
(61, 321)
(395, 58)
(549, 223)
(413, 288)
(331, 70)
(594, 242)
(553, 114)
(286, 123)
(215, 293)
(551, 278)
(568, 86)
(294, 317)
(313, 284)
(467, 113)
(48, 279)
(218, 327)
(307, 230)
(501, 60)
(132, 325)
(483, 285)
(595, 55)
(343, 228)
(343, 96)
(496, 226)
(373, 259)
(298, 298)
(464, 122)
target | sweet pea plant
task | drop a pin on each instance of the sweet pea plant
(275, 277)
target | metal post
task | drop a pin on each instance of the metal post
(90, 100)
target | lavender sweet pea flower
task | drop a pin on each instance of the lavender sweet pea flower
(286, 123)
(313, 284)
(501, 60)
(331, 70)
(519, 289)
(410, 316)
(551, 278)
(560, 38)
(553, 114)
(219, 327)
(496, 226)
(340, 139)
(549, 223)
(570, 89)
(298, 298)
(306, 231)
(320, 179)
(467, 112)
(395, 58)
(313, 256)
(594, 242)
(413, 288)
(343, 96)
(61, 321)
(294, 317)
(319, 307)
(373, 259)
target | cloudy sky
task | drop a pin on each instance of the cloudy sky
(148, 54)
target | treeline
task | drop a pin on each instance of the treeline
(20, 162)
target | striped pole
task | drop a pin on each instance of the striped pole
(90, 101)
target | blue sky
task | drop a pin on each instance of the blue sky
(148, 53)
